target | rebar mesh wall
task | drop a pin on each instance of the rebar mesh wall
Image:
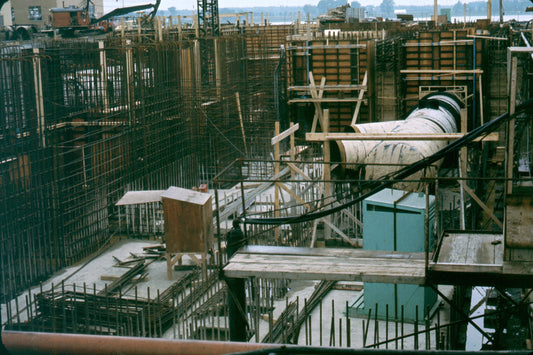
(83, 122)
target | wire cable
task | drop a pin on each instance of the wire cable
(388, 180)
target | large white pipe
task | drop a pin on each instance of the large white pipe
(435, 113)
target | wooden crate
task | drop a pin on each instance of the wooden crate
(188, 220)
(188, 226)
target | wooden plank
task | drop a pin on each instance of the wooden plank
(326, 268)
(328, 88)
(319, 137)
(440, 71)
(520, 49)
(518, 268)
(471, 248)
(325, 264)
(470, 268)
(437, 44)
(452, 249)
(330, 252)
(285, 134)
(326, 99)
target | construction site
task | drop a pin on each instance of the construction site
(198, 186)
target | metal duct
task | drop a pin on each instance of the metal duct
(435, 113)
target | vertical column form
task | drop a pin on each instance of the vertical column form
(327, 175)
(236, 297)
(198, 68)
(180, 34)
(276, 186)
(435, 13)
(511, 126)
(129, 82)
(39, 106)
(103, 76)
(218, 71)
(371, 66)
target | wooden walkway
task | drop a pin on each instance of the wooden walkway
(462, 258)
(327, 264)
(477, 259)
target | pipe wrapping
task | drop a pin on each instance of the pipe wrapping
(436, 113)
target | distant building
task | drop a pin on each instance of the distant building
(37, 12)
(357, 13)
(5, 15)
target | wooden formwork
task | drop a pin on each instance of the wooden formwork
(440, 58)
(342, 61)
(267, 38)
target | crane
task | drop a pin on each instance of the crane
(69, 19)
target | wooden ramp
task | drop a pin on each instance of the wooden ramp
(327, 264)
(477, 259)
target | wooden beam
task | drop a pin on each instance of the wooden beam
(440, 71)
(326, 99)
(285, 134)
(520, 49)
(470, 268)
(320, 137)
(481, 204)
(242, 124)
(511, 125)
(361, 94)
(329, 88)
(488, 37)
(292, 150)
(341, 233)
(327, 174)
(353, 218)
(458, 42)
(276, 187)
(318, 109)
(326, 46)
(298, 171)
(293, 194)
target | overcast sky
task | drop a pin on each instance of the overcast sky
(191, 4)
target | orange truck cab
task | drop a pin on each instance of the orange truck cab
(70, 17)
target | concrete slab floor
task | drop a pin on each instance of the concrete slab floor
(313, 332)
